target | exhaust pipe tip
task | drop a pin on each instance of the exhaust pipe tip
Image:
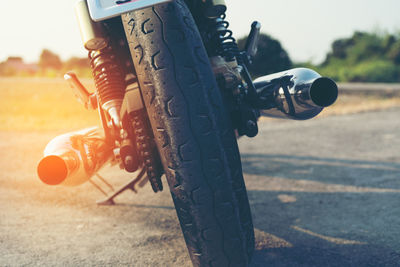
(324, 92)
(52, 170)
(299, 94)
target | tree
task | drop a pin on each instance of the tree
(77, 63)
(270, 58)
(364, 57)
(49, 60)
(394, 52)
(7, 70)
(363, 46)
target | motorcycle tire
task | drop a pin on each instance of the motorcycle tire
(193, 133)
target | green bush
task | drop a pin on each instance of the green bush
(375, 71)
(368, 71)
(364, 57)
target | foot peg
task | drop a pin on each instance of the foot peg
(80, 92)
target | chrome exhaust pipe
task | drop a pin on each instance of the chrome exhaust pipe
(73, 158)
(299, 94)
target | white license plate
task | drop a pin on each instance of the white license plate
(105, 9)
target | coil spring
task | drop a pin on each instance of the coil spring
(109, 77)
(226, 45)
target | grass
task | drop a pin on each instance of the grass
(36, 104)
(349, 104)
(32, 104)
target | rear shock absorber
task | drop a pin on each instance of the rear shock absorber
(232, 74)
(108, 75)
(225, 43)
(224, 54)
(110, 81)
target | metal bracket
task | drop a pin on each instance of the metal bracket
(81, 93)
(139, 181)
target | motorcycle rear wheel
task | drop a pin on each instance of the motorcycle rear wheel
(193, 134)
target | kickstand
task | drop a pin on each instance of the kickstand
(109, 200)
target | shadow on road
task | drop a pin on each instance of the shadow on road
(326, 170)
(312, 211)
(143, 206)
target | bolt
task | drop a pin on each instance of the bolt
(252, 129)
(128, 160)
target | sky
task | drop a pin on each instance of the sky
(306, 28)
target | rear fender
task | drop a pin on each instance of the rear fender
(105, 9)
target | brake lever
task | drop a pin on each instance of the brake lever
(252, 40)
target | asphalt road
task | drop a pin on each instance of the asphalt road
(324, 192)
